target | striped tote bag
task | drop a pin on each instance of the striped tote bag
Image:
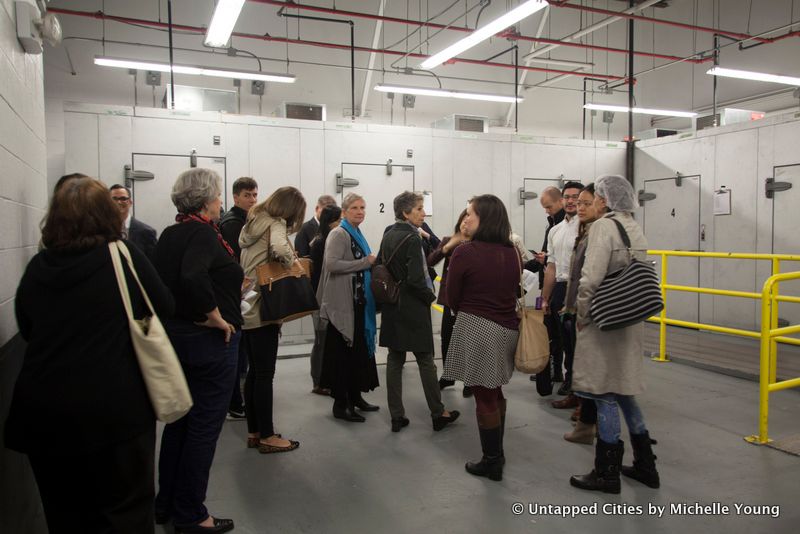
(627, 296)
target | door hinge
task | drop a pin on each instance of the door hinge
(771, 187)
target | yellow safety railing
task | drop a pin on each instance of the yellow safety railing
(769, 335)
(775, 259)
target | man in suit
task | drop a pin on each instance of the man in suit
(303, 239)
(135, 231)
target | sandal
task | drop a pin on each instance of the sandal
(264, 448)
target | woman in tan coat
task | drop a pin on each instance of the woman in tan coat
(265, 238)
(608, 364)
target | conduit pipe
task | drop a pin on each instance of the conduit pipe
(508, 34)
(594, 27)
(705, 29)
(268, 38)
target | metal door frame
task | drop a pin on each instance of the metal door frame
(224, 178)
(699, 219)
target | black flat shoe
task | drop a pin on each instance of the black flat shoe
(364, 406)
(348, 414)
(444, 420)
(399, 424)
(220, 525)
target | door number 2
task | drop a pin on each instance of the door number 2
(383, 206)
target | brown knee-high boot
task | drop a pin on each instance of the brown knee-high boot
(491, 465)
(502, 403)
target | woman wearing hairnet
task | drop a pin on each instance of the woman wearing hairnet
(608, 364)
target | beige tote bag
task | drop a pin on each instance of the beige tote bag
(162, 372)
(533, 346)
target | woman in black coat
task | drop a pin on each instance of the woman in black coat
(200, 269)
(80, 410)
(406, 324)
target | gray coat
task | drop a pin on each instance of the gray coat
(406, 325)
(607, 362)
(335, 291)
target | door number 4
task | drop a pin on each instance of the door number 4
(673, 212)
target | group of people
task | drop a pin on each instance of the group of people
(602, 370)
(93, 460)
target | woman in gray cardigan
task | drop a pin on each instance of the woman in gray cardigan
(346, 302)
(608, 364)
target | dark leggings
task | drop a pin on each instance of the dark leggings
(448, 320)
(262, 352)
(487, 400)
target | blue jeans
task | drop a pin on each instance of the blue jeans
(188, 444)
(608, 424)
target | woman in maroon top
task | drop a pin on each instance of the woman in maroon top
(482, 288)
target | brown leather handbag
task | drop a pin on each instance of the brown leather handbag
(286, 292)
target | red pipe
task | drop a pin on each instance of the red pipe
(193, 29)
(505, 34)
(705, 29)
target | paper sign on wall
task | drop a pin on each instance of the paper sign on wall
(722, 201)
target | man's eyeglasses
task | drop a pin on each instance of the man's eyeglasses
(121, 199)
(571, 197)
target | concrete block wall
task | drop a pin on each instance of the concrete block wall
(23, 200)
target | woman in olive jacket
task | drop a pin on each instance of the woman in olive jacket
(406, 324)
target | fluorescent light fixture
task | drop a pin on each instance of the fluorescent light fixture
(562, 62)
(222, 23)
(497, 25)
(446, 93)
(758, 76)
(643, 111)
(193, 70)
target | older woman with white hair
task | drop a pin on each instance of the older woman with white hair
(201, 271)
(608, 365)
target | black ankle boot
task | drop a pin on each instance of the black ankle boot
(644, 461)
(491, 464)
(605, 475)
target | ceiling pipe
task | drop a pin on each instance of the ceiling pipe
(507, 34)
(642, 18)
(594, 27)
(268, 38)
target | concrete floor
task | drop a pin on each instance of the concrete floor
(354, 478)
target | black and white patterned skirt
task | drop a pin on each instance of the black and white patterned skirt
(481, 352)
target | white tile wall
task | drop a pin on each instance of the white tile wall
(23, 163)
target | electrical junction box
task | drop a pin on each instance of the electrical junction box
(27, 32)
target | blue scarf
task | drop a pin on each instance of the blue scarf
(370, 324)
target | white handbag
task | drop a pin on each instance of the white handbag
(162, 372)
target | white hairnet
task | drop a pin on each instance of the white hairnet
(617, 192)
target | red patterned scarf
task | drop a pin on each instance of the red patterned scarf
(196, 217)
